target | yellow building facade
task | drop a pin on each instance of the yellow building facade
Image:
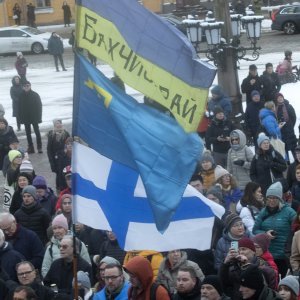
(49, 12)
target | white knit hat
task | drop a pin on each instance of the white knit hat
(219, 172)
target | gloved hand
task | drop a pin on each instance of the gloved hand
(239, 162)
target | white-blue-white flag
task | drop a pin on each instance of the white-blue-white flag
(111, 196)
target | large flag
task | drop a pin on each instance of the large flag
(117, 126)
(112, 197)
(148, 54)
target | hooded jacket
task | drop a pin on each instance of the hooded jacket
(240, 152)
(141, 268)
(268, 120)
(167, 274)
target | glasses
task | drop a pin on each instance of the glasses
(113, 277)
(241, 224)
(24, 273)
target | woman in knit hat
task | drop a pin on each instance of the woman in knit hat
(234, 230)
(23, 180)
(286, 113)
(231, 193)
(15, 158)
(60, 228)
(207, 168)
(31, 214)
(267, 164)
(262, 243)
(288, 288)
(251, 204)
(275, 220)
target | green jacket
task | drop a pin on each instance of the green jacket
(281, 222)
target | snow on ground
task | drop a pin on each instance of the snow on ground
(56, 89)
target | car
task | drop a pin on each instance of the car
(286, 19)
(175, 21)
(23, 38)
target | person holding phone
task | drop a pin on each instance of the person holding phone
(275, 220)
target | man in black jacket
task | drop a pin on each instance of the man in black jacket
(30, 113)
(250, 83)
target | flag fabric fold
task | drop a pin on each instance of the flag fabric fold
(115, 125)
(111, 196)
(149, 54)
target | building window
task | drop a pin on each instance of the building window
(43, 3)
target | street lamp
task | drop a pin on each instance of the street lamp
(218, 47)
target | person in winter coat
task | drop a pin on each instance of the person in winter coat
(170, 266)
(9, 257)
(211, 288)
(239, 158)
(295, 190)
(240, 8)
(31, 15)
(154, 257)
(67, 13)
(30, 113)
(60, 229)
(31, 214)
(295, 249)
(23, 180)
(291, 172)
(22, 239)
(6, 134)
(219, 100)
(234, 230)
(252, 120)
(218, 135)
(276, 220)
(21, 66)
(15, 158)
(187, 284)
(251, 204)
(269, 122)
(251, 83)
(45, 195)
(262, 243)
(57, 138)
(252, 286)
(238, 260)
(270, 82)
(141, 279)
(288, 288)
(207, 170)
(267, 164)
(15, 92)
(17, 14)
(286, 114)
(56, 48)
(230, 191)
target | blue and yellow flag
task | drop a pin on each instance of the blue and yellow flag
(148, 141)
(148, 54)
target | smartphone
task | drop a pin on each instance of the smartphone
(234, 245)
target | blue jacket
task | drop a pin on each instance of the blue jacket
(122, 296)
(221, 101)
(269, 121)
(232, 196)
(281, 222)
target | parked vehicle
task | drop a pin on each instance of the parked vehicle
(23, 38)
(286, 19)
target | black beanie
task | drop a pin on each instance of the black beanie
(252, 278)
(215, 282)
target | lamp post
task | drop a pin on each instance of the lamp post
(224, 48)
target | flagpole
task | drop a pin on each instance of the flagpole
(75, 265)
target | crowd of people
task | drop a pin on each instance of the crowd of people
(255, 249)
